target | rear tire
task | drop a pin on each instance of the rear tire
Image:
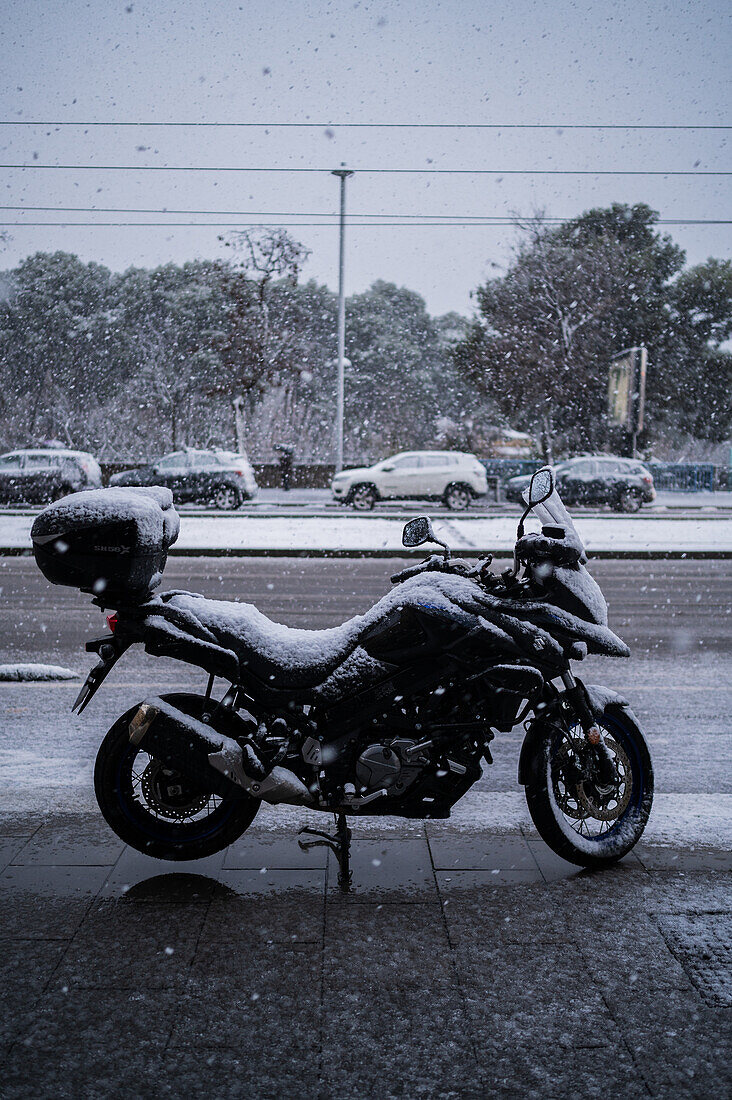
(61, 491)
(227, 498)
(196, 823)
(363, 498)
(628, 500)
(457, 497)
(588, 840)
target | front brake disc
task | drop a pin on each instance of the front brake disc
(607, 804)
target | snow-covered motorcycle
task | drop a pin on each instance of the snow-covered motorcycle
(390, 713)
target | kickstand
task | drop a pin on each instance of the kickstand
(339, 842)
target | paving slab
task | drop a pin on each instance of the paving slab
(160, 880)
(280, 906)
(255, 851)
(81, 843)
(46, 902)
(123, 943)
(26, 968)
(482, 852)
(394, 868)
(9, 847)
(119, 1069)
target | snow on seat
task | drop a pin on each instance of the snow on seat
(286, 656)
(228, 637)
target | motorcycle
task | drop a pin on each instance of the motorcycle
(391, 713)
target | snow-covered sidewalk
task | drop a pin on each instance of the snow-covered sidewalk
(354, 534)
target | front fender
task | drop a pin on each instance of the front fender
(600, 699)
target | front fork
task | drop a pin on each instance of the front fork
(593, 734)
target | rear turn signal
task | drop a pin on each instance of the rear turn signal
(112, 622)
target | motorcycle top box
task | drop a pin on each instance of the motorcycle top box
(111, 542)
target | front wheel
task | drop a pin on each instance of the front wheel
(582, 820)
(159, 811)
(363, 498)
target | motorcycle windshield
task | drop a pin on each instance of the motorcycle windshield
(551, 512)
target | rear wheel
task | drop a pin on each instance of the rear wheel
(157, 810)
(363, 498)
(628, 500)
(61, 491)
(582, 820)
(457, 497)
(227, 498)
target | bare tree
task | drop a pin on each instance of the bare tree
(257, 353)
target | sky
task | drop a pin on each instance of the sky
(460, 64)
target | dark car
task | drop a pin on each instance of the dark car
(221, 478)
(623, 483)
(40, 475)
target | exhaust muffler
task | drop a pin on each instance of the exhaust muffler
(208, 757)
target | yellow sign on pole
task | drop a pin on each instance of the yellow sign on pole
(619, 388)
(626, 390)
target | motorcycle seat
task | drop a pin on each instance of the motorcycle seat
(230, 637)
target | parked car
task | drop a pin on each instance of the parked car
(623, 483)
(38, 476)
(452, 476)
(221, 478)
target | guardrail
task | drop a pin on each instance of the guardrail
(686, 477)
(670, 477)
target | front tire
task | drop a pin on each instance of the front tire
(159, 812)
(580, 821)
(363, 498)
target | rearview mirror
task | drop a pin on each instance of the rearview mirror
(418, 531)
(541, 486)
(387, 469)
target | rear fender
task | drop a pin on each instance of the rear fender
(109, 650)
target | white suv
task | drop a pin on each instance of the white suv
(453, 476)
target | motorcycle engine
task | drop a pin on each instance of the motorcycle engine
(390, 766)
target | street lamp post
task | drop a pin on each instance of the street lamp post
(343, 174)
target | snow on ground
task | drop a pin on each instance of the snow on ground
(347, 532)
(30, 672)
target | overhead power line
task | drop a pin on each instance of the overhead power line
(395, 215)
(372, 171)
(457, 224)
(391, 219)
(391, 125)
